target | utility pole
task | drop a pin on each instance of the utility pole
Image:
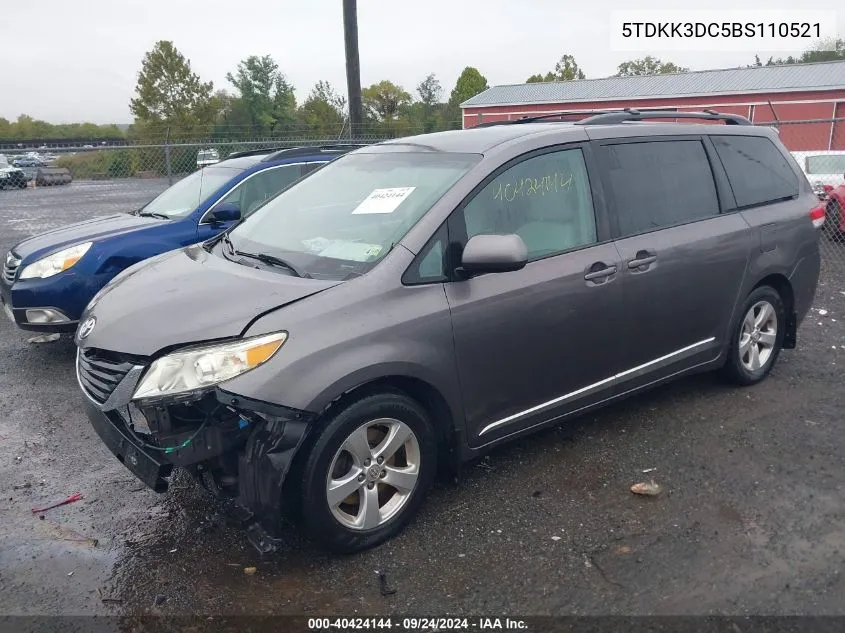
(353, 66)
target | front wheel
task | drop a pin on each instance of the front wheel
(757, 337)
(367, 473)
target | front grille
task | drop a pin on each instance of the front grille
(10, 268)
(98, 375)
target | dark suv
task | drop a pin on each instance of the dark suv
(422, 300)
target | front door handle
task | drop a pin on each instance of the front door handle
(601, 273)
(644, 258)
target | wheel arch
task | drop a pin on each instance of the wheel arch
(781, 284)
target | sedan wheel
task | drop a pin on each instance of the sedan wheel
(373, 474)
(758, 336)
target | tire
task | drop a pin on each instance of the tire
(754, 330)
(833, 222)
(339, 455)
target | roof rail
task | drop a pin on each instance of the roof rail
(273, 153)
(292, 152)
(631, 114)
(553, 115)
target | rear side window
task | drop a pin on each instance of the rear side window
(758, 172)
(659, 184)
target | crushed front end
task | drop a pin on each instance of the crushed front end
(240, 449)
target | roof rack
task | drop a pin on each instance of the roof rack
(274, 153)
(631, 114)
(554, 115)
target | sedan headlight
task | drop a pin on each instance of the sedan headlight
(200, 367)
(55, 263)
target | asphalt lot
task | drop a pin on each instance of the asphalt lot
(751, 519)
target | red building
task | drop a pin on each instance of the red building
(802, 99)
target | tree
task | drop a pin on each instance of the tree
(469, 83)
(430, 91)
(324, 111)
(538, 78)
(566, 69)
(827, 50)
(384, 100)
(169, 93)
(267, 101)
(648, 65)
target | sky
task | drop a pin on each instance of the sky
(72, 61)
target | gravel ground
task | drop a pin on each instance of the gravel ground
(751, 519)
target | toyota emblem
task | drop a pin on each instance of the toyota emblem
(87, 327)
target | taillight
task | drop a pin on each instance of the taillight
(817, 216)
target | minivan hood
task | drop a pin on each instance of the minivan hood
(187, 296)
(89, 230)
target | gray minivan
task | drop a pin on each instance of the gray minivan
(417, 302)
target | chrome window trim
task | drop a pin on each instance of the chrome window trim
(601, 383)
(202, 221)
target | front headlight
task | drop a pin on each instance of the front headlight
(55, 263)
(199, 367)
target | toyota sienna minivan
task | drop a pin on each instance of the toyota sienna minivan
(415, 303)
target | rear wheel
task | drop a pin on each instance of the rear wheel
(757, 337)
(833, 221)
(368, 472)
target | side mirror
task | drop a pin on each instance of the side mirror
(494, 254)
(225, 212)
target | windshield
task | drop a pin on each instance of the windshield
(826, 164)
(342, 219)
(190, 192)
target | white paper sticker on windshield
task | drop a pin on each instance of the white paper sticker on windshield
(383, 200)
(353, 251)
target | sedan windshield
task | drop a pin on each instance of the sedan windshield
(190, 192)
(342, 219)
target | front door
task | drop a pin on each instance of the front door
(683, 259)
(537, 343)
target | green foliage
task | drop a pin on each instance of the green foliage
(828, 50)
(323, 113)
(424, 112)
(101, 164)
(647, 65)
(25, 127)
(566, 69)
(469, 83)
(266, 101)
(170, 94)
(382, 101)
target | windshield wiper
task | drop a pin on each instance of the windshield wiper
(274, 261)
(151, 214)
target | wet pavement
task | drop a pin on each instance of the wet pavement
(751, 519)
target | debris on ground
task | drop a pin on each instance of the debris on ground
(71, 499)
(555, 538)
(249, 571)
(649, 489)
(623, 549)
(822, 312)
(70, 573)
(43, 338)
(111, 600)
(386, 588)
(159, 600)
(649, 470)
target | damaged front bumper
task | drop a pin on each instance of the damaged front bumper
(241, 449)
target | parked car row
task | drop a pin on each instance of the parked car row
(11, 176)
(323, 351)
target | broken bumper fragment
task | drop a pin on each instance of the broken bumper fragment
(239, 448)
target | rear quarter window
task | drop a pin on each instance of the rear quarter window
(758, 172)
